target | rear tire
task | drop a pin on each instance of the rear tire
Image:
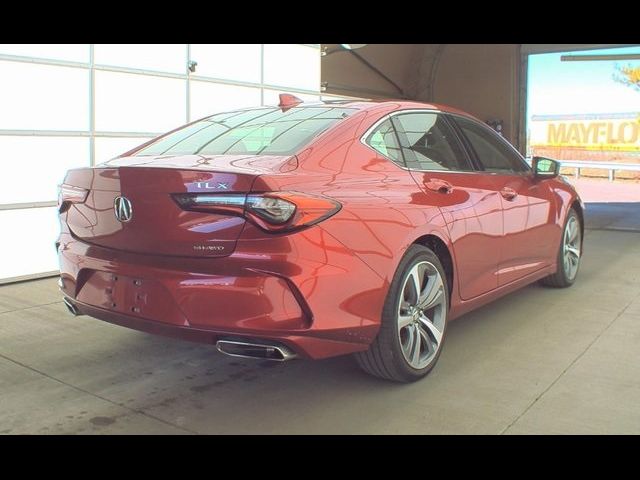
(414, 320)
(569, 254)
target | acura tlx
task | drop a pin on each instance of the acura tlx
(315, 230)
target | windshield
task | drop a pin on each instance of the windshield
(262, 131)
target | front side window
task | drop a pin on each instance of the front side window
(263, 131)
(429, 143)
(384, 140)
(492, 152)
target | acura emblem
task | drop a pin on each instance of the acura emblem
(123, 209)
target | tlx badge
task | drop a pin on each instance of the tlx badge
(213, 185)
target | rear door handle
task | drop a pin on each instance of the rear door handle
(508, 193)
(439, 186)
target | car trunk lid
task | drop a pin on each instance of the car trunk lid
(142, 187)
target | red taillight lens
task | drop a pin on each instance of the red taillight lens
(273, 211)
(69, 194)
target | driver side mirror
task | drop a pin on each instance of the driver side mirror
(545, 167)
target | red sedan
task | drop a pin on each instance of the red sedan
(316, 230)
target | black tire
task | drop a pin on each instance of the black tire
(562, 279)
(384, 358)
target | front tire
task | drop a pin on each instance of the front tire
(569, 254)
(414, 320)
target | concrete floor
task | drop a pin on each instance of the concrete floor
(537, 361)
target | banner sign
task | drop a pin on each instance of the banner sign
(607, 132)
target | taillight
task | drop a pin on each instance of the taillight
(69, 194)
(273, 211)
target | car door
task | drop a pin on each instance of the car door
(528, 213)
(470, 205)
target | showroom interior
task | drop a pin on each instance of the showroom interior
(537, 361)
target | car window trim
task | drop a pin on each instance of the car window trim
(388, 116)
(495, 134)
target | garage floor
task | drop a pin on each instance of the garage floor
(538, 361)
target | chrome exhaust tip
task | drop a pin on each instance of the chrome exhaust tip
(260, 351)
(71, 307)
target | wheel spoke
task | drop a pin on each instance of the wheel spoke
(425, 338)
(434, 293)
(573, 251)
(415, 348)
(416, 282)
(573, 231)
(404, 320)
(409, 343)
(431, 328)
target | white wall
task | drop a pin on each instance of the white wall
(65, 106)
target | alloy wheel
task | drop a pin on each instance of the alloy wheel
(571, 248)
(421, 314)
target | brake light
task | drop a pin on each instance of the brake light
(69, 194)
(272, 211)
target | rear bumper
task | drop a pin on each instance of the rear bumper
(306, 345)
(305, 291)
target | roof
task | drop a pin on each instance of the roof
(368, 104)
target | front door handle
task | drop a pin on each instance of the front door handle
(508, 193)
(439, 186)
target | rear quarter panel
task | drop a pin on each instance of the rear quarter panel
(383, 211)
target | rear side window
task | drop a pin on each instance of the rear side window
(429, 143)
(264, 131)
(384, 140)
(492, 152)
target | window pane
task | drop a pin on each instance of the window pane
(41, 162)
(208, 98)
(252, 132)
(274, 138)
(27, 244)
(428, 143)
(295, 66)
(108, 148)
(55, 51)
(164, 145)
(292, 138)
(384, 140)
(494, 154)
(43, 97)
(165, 58)
(272, 97)
(230, 61)
(138, 103)
(192, 138)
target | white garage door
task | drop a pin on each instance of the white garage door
(66, 106)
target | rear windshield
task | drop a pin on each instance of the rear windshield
(263, 131)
